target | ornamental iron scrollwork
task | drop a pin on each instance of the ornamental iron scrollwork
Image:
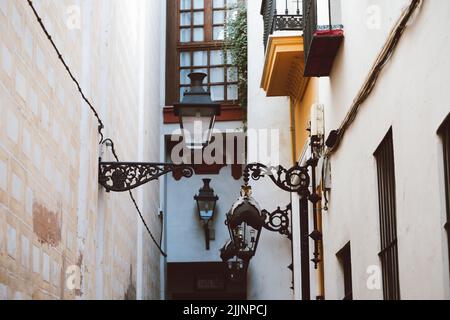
(288, 22)
(279, 221)
(125, 176)
(295, 179)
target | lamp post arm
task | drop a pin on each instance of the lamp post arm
(295, 179)
(126, 176)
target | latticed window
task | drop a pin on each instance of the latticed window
(388, 218)
(195, 44)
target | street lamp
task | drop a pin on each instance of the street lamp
(244, 222)
(237, 267)
(294, 180)
(197, 113)
(206, 205)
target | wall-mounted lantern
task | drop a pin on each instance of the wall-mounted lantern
(206, 206)
(197, 113)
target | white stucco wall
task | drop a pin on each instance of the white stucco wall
(412, 96)
(268, 276)
(185, 233)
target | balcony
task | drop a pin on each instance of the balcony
(283, 41)
(282, 16)
(323, 35)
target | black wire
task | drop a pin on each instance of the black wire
(100, 122)
(373, 78)
(61, 58)
(113, 149)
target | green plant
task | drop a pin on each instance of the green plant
(236, 45)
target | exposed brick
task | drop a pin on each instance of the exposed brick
(46, 267)
(21, 87)
(6, 61)
(4, 9)
(3, 175)
(25, 252)
(40, 62)
(12, 127)
(29, 43)
(36, 259)
(11, 239)
(33, 102)
(17, 21)
(16, 189)
(29, 201)
(3, 288)
(26, 145)
(37, 158)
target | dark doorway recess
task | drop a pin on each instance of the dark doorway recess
(203, 281)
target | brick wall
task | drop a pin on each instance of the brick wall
(54, 218)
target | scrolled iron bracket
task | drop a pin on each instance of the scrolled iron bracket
(279, 221)
(126, 176)
(295, 179)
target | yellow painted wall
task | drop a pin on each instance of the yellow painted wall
(301, 108)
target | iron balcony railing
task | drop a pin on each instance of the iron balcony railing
(311, 24)
(290, 18)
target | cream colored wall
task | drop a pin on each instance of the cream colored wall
(53, 214)
(412, 97)
(302, 110)
(268, 275)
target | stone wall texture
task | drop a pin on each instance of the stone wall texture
(61, 235)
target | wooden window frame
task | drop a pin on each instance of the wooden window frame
(388, 218)
(175, 47)
(225, 65)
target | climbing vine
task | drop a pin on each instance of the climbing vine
(236, 44)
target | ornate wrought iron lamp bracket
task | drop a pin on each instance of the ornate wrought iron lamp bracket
(295, 179)
(279, 221)
(126, 176)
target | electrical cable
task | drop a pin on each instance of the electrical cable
(101, 126)
(111, 144)
(383, 58)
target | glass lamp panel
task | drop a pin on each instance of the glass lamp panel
(217, 75)
(206, 209)
(218, 33)
(200, 58)
(218, 93)
(199, 18)
(196, 130)
(185, 19)
(185, 35)
(199, 34)
(250, 238)
(199, 4)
